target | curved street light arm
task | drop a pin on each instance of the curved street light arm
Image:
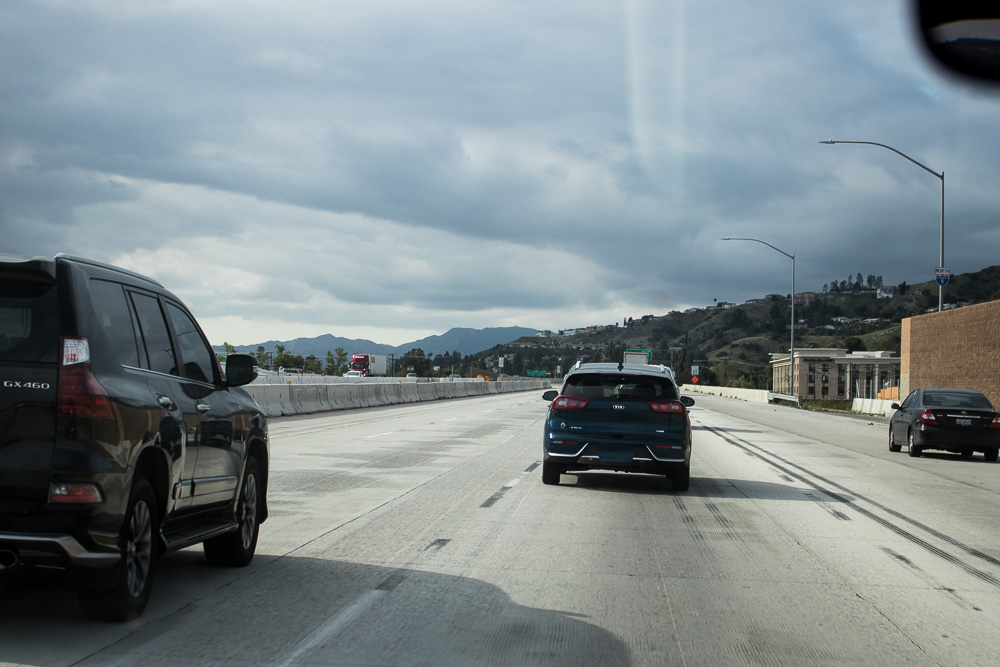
(897, 152)
(765, 243)
(791, 328)
(928, 170)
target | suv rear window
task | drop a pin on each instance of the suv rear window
(620, 386)
(29, 330)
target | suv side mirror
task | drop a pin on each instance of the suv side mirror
(550, 395)
(241, 369)
(687, 401)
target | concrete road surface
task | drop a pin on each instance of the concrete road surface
(422, 535)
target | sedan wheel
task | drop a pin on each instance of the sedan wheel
(991, 455)
(913, 450)
(893, 447)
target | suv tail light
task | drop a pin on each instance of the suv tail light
(669, 407)
(927, 417)
(569, 403)
(77, 494)
(79, 393)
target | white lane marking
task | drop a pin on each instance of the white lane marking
(512, 483)
(334, 625)
(379, 435)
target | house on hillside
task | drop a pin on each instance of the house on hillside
(805, 298)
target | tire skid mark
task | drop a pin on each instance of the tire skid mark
(951, 593)
(835, 513)
(709, 559)
(826, 486)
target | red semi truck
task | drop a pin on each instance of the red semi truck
(370, 365)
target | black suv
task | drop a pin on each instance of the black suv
(120, 437)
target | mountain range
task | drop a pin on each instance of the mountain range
(465, 341)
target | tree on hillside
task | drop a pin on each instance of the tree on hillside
(417, 360)
(261, 355)
(312, 365)
(336, 364)
(229, 350)
(854, 344)
(285, 360)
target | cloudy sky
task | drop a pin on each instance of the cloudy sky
(390, 169)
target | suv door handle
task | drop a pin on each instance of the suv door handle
(165, 402)
(202, 407)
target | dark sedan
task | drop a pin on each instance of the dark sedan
(954, 420)
(623, 417)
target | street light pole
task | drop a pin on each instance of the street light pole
(791, 349)
(928, 170)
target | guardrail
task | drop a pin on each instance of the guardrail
(865, 406)
(750, 395)
(300, 395)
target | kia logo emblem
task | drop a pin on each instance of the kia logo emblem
(618, 406)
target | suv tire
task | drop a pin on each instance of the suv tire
(550, 473)
(236, 549)
(127, 599)
(680, 478)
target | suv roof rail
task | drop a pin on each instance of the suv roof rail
(110, 267)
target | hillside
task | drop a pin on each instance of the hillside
(465, 341)
(732, 345)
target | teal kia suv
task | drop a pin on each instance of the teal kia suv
(622, 417)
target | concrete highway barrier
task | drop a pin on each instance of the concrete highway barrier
(280, 396)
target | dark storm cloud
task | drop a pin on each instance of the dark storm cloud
(340, 167)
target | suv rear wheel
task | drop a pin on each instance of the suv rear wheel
(550, 473)
(680, 478)
(236, 549)
(130, 594)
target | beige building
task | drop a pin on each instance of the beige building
(835, 373)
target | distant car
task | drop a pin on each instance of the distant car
(411, 375)
(954, 420)
(454, 376)
(121, 438)
(623, 417)
(354, 374)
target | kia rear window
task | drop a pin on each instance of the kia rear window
(620, 387)
(29, 329)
